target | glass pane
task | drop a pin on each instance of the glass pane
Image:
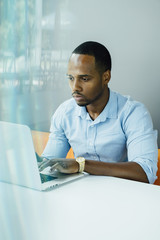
(33, 60)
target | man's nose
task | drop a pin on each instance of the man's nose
(76, 86)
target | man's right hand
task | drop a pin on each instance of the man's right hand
(62, 165)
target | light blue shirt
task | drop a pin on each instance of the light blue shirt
(122, 132)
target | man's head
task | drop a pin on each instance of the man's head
(89, 73)
(98, 51)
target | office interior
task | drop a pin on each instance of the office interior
(36, 40)
(38, 36)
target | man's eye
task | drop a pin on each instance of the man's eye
(70, 78)
(85, 79)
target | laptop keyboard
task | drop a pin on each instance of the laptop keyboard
(46, 178)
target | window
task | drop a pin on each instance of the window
(33, 60)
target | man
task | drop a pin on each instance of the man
(110, 134)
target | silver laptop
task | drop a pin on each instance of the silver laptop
(18, 162)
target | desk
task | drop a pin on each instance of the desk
(91, 208)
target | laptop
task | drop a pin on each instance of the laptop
(18, 162)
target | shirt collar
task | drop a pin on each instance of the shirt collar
(81, 112)
(110, 110)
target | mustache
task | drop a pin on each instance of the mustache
(77, 93)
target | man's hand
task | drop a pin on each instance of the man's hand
(62, 165)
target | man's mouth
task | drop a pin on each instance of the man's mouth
(78, 96)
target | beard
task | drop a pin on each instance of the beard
(87, 101)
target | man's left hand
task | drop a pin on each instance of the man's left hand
(62, 165)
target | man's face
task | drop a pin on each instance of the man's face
(85, 81)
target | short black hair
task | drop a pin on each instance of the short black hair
(97, 50)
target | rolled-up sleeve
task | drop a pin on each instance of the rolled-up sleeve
(141, 140)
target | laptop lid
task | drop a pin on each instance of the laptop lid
(18, 164)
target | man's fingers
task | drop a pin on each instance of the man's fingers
(44, 164)
(54, 167)
(61, 164)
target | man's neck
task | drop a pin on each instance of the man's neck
(97, 107)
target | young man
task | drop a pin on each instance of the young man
(110, 134)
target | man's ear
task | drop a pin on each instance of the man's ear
(107, 76)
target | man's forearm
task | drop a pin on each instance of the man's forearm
(128, 170)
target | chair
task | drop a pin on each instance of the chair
(40, 140)
(70, 154)
(157, 182)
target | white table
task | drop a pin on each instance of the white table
(91, 208)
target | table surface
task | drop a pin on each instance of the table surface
(94, 207)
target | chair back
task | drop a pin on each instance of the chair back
(157, 182)
(39, 140)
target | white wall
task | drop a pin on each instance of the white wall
(130, 30)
